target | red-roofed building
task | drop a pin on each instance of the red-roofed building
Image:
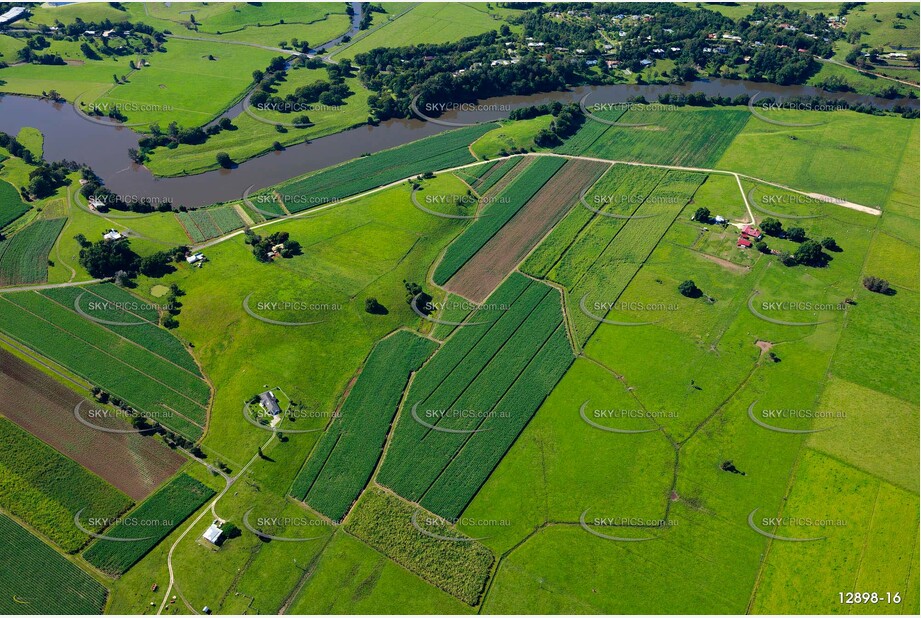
(751, 232)
(744, 243)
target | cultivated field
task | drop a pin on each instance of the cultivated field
(135, 372)
(426, 155)
(472, 399)
(348, 452)
(482, 273)
(11, 205)
(24, 256)
(207, 223)
(386, 523)
(495, 215)
(150, 522)
(47, 490)
(134, 464)
(38, 580)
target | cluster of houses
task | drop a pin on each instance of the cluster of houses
(748, 236)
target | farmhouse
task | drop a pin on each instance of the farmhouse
(751, 233)
(96, 203)
(213, 533)
(743, 242)
(269, 403)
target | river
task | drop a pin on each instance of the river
(68, 135)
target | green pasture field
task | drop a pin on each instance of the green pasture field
(35, 579)
(811, 158)
(456, 308)
(195, 88)
(895, 261)
(32, 139)
(487, 371)
(877, 21)
(561, 465)
(46, 490)
(426, 155)
(685, 136)
(875, 433)
(84, 81)
(148, 233)
(510, 136)
(865, 524)
(522, 188)
(9, 46)
(11, 205)
(348, 452)
(351, 577)
(429, 23)
(386, 523)
(363, 248)
(862, 83)
(24, 256)
(254, 137)
(170, 394)
(154, 518)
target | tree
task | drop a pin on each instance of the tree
(761, 246)
(224, 160)
(157, 264)
(701, 214)
(875, 284)
(829, 243)
(689, 289)
(106, 259)
(373, 307)
(169, 321)
(796, 234)
(82, 241)
(809, 253)
(771, 227)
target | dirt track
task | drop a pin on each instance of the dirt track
(501, 254)
(45, 408)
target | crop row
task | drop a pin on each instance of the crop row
(101, 363)
(478, 395)
(94, 334)
(465, 386)
(11, 205)
(494, 175)
(625, 188)
(46, 489)
(427, 155)
(495, 215)
(348, 452)
(110, 303)
(36, 579)
(605, 278)
(385, 522)
(473, 464)
(585, 137)
(24, 256)
(225, 217)
(471, 175)
(150, 523)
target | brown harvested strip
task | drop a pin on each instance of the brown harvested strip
(135, 464)
(503, 252)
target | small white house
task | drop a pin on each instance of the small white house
(195, 257)
(112, 235)
(96, 203)
(719, 219)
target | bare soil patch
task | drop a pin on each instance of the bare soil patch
(133, 463)
(503, 252)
